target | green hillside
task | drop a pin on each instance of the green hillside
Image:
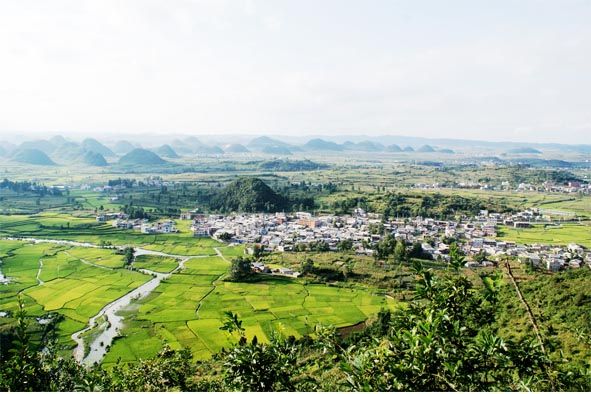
(276, 150)
(32, 156)
(524, 151)
(94, 159)
(90, 144)
(426, 149)
(166, 151)
(68, 151)
(43, 145)
(320, 144)
(394, 148)
(260, 143)
(141, 157)
(248, 195)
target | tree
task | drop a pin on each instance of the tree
(345, 245)
(385, 247)
(240, 269)
(257, 251)
(129, 253)
(225, 237)
(232, 323)
(480, 256)
(319, 246)
(300, 247)
(307, 266)
(400, 252)
(105, 244)
(444, 341)
(456, 257)
(417, 252)
(257, 366)
(170, 370)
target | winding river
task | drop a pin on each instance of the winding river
(100, 345)
(4, 280)
(114, 322)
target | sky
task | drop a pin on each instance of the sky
(489, 70)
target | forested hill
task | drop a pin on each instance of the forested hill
(249, 195)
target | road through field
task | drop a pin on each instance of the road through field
(39, 281)
(113, 323)
(213, 283)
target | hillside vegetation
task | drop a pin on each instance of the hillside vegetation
(32, 156)
(141, 157)
(444, 339)
(90, 144)
(166, 151)
(94, 159)
(249, 195)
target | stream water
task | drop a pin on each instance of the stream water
(3, 279)
(99, 346)
(114, 322)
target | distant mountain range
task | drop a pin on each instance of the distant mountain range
(498, 146)
(92, 151)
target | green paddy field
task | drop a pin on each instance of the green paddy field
(185, 310)
(562, 234)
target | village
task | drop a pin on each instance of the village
(283, 232)
(572, 187)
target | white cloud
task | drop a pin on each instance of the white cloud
(224, 66)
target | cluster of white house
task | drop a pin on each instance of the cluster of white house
(551, 187)
(286, 232)
(477, 235)
(122, 221)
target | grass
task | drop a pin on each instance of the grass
(63, 284)
(156, 263)
(552, 235)
(187, 310)
(102, 257)
(86, 229)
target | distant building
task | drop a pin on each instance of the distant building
(521, 225)
(553, 264)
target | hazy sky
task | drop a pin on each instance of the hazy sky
(494, 70)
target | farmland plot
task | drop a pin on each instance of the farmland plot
(187, 310)
(52, 278)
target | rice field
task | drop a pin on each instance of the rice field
(552, 235)
(155, 263)
(54, 278)
(86, 229)
(185, 310)
(188, 309)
